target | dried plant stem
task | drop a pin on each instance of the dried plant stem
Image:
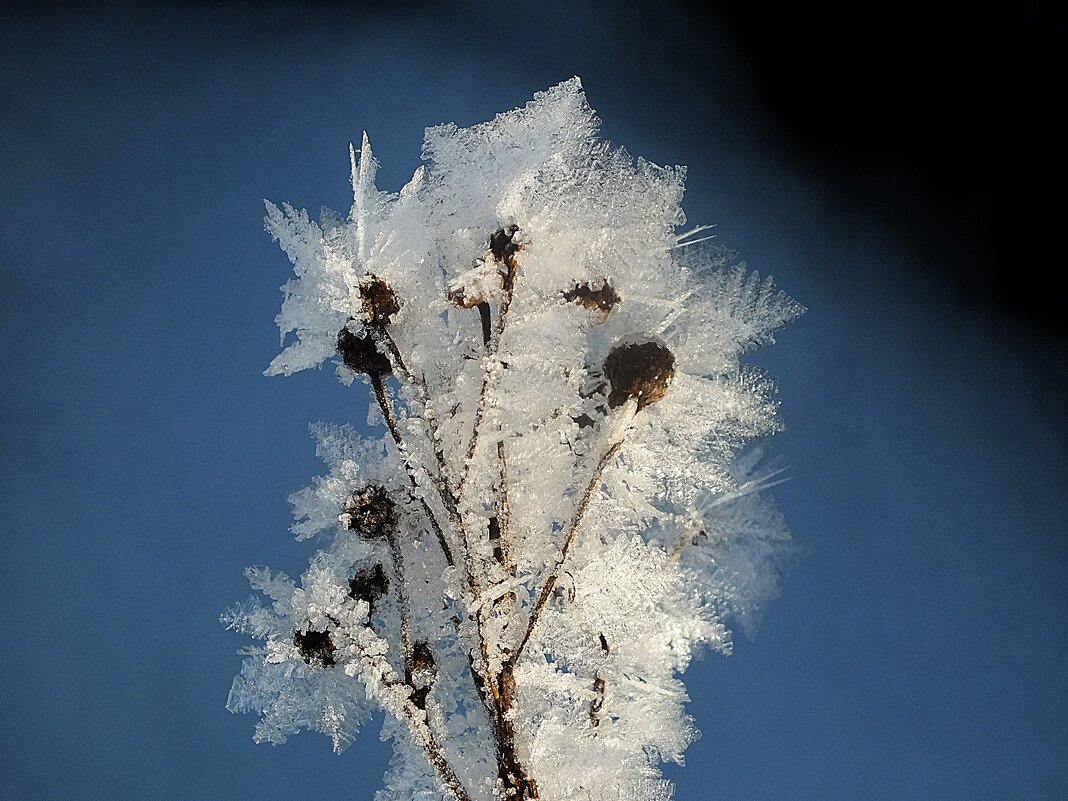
(386, 406)
(449, 780)
(569, 540)
(449, 497)
(492, 348)
(402, 602)
(504, 516)
(441, 480)
(419, 726)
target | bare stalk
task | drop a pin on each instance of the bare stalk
(481, 677)
(569, 539)
(386, 406)
(441, 481)
(418, 725)
(492, 348)
(504, 516)
(402, 602)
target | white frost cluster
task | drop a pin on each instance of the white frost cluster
(566, 504)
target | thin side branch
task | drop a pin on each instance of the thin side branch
(481, 676)
(402, 602)
(504, 514)
(386, 406)
(492, 348)
(418, 725)
(441, 481)
(569, 540)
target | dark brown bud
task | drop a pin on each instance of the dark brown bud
(369, 584)
(315, 647)
(360, 353)
(604, 298)
(640, 370)
(371, 512)
(502, 243)
(379, 301)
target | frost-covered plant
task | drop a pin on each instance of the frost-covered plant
(565, 504)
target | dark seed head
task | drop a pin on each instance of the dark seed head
(369, 584)
(603, 298)
(315, 647)
(639, 370)
(360, 353)
(502, 243)
(371, 512)
(379, 301)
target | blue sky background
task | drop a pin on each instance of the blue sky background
(920, 646)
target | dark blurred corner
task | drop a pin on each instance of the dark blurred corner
(947, 119)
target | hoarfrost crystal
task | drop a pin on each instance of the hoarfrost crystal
(566, 503)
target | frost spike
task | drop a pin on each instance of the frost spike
(363, 192)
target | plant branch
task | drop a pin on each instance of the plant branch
(569, 540)
(386, 406)
(492, 347)
(481, 677)
(448, 496)
(402, 602)
(419, 726)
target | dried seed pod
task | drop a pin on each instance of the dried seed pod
(485, 280)
(603, 298)
(360, 354)
(369, 584)
(379, 301)
(371, 512)
(315, 647)
(640, 370)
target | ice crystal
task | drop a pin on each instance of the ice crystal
(566, 504)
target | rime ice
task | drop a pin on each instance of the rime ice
(565, 504)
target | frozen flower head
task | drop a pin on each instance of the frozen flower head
(564, 505)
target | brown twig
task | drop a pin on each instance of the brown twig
(569, 539)
(492, 348)
(419, 726)
(402, 602)
(504, 513)
(382, 336)
(480, 677)
(386, 406)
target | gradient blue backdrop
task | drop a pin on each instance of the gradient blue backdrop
(919, 648)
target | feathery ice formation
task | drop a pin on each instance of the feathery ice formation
(567, 501)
